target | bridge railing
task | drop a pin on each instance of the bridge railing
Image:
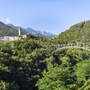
(69, 47)
(65, 45)
(52, 48)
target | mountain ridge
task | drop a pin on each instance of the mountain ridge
(32, 31)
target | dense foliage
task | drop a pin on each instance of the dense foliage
(68, 70)
(25, 65)
(21, 63)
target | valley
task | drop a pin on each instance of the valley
(59, 63)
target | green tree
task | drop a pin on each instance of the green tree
(82, 71)
(57, 78)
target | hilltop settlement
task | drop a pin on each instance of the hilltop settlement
(17, 37)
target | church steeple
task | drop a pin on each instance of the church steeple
(19, 31)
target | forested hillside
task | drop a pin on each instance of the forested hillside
(78, 33)
(6, 30)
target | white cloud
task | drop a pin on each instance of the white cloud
(8, 20)
(1, 20)
(16, 25)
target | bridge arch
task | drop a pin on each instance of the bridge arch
(69, 47)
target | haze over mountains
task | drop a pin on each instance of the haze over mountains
(77, 33)
(11, 30)
(32, 31)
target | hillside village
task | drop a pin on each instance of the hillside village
(18, 37)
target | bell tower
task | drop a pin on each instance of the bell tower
(19, 31)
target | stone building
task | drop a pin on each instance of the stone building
(27, 36)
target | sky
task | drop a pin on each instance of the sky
(54, 16)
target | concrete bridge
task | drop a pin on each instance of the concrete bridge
(73, 44)
(69, 47)
(55, 48)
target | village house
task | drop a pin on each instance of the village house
(27, 35)
(11, 38)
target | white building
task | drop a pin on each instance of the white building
(10, 38)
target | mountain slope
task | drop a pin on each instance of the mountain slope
(77, 33)
(17, 27)
(6, 30)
